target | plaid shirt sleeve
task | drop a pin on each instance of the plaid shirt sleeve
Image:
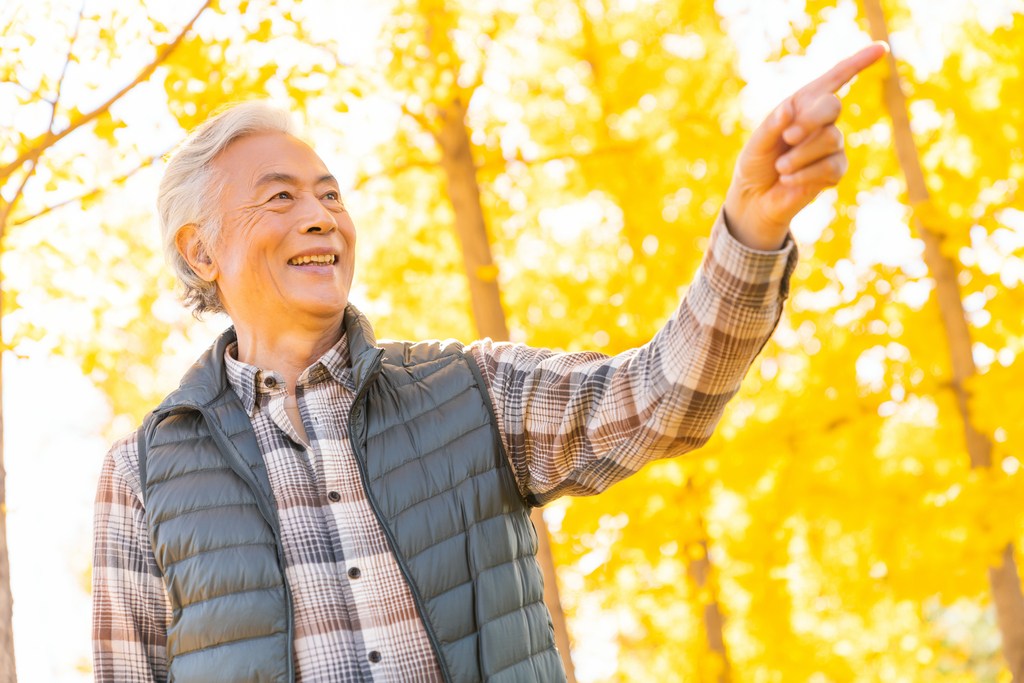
(130, 607)
(576, 423)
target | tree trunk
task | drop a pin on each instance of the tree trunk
(700, 571)
(1006, 588)
(488, 312)
(8, 671)
(8, 674)
(711, 617)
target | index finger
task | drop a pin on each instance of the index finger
(836, 77)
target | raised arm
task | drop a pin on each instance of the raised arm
(576, 423)
(130, 608)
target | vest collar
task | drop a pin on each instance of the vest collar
(362, 347)
(207, 380)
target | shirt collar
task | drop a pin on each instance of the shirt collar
(249, 381)
(336, 363)
(242, 377)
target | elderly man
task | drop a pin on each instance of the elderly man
(313, 505)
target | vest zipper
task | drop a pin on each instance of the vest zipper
(360, 455)
(241, 468)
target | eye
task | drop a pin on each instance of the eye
(282, 195)
(332, 195)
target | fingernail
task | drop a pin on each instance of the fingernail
(786, 179)
(792, 134)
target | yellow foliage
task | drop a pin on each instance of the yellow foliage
(844, 526)
(839, 503)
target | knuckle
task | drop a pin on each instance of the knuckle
(835, 105)
(836, 136)
(839, 164)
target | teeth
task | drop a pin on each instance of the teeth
(319, 259)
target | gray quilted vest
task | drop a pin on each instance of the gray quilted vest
(433, 468)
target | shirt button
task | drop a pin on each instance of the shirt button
(374, 656)
(354, 573)
(270, 382)
(334, 496)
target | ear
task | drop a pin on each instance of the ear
(194, 250)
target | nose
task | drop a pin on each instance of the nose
(316, 218)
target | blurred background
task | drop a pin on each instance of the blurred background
(858, 514)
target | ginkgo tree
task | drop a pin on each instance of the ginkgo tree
(1002, 573)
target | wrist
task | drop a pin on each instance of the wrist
(754, 234)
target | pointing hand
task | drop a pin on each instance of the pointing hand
(794, 154)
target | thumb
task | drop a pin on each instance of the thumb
(768, 136)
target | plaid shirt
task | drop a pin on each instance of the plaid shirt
(572, 424)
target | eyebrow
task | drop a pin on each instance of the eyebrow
(270, 178)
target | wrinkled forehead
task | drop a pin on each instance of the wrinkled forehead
(253, 161)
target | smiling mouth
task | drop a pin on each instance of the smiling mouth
(317, 260)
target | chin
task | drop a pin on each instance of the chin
(320, 308)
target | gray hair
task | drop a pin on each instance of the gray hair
(188, 192)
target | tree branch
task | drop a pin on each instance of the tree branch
(486, 53)
(9, 25)
(50, 138)
(577, 156)
(64, 70)
(419, 118)
(9, 206)
(56, 96)
(91, 193)
(395, 170)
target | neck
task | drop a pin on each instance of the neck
(286, 351)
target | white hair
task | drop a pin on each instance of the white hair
(188, 191)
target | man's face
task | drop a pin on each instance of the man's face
(286, 249)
